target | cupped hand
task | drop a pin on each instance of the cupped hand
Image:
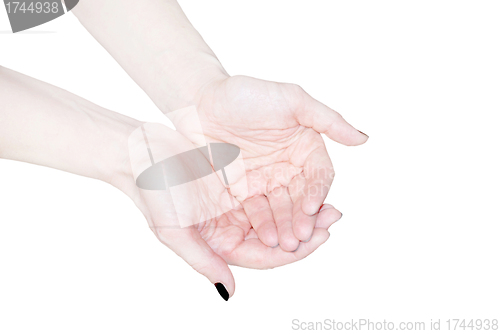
(278, 128)
(207, 245)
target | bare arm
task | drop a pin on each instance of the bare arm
(45, 125)
(156, 44)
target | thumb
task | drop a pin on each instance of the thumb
(190, 246)
(316, 115)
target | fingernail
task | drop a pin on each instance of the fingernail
(275, 246)
(297, 248)
(363, 133)
(222, 291)
(307, 239)
(341, 215)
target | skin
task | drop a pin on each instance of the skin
(233, 238)
(45, 125)
(288, 170)
(278, 127)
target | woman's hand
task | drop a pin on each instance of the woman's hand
(208, 246)
(277, 127)
(45, 125)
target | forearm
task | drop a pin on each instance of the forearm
(45, 125)
(156, 44)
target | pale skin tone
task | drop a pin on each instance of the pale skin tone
(276, 125)
(45, 125)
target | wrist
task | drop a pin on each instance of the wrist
(111, 161)
(145, 145)
(187, 81)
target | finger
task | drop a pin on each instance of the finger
(190, 246)
(282, 207)
(261, 217)
(302, 224)
(316, 115)
(319, 173)
(327, 216)
(252, 253)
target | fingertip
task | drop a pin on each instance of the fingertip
(310, 208)
(364, 134)
(289, 244)
(365, 139)
(327, 216)
(346, 134)
(323, 235)
(268, 235)
(221, 289)
(319, 237)
(200, 256)
(358, 138)
(303, 232)
(224, 283)
(327, 236)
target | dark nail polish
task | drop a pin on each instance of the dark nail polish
(297, 248)
(275, 246)
(363, 133)
(341, 215)
(222, 291)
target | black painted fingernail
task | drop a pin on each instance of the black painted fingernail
(341, 215)
(363, 133)
(297, 248)
(222, 291)
(275, 246)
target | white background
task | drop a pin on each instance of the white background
(419, 236)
